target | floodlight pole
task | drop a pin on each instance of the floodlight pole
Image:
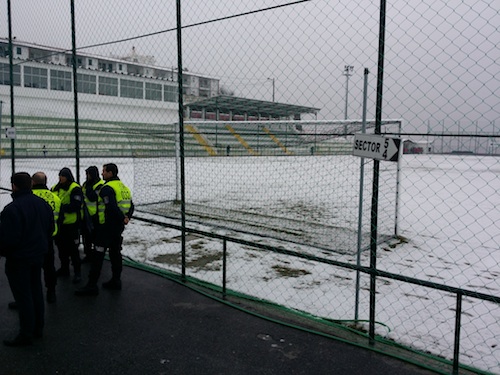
(347, 72)
(272, 79)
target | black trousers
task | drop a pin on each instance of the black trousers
(25, 280)
(49, 269)
(88, 244)
(88, 236)
(67, 241)
(106, 241)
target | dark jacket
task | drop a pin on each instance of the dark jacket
(26, 226)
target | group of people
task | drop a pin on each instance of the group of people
(40, 219)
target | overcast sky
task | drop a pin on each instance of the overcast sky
(442, 57)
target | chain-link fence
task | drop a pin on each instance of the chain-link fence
(233, 123)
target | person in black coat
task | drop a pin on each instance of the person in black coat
(90, 219)
(26, 227)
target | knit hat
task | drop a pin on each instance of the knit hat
(66, 172)
(93, 172)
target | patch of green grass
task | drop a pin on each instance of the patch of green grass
(200, 261)
(290, 272)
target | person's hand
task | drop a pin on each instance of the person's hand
(126, 220)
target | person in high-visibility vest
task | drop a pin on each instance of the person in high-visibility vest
(115, 209)
(49, 271)
(68, 238)
(90, 189)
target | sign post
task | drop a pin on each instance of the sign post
(10, 133)
(376, 147)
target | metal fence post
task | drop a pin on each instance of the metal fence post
(181, 137)
(361, 187)
(224, 267)
(458, 318)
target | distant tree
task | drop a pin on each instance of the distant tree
(223, 90)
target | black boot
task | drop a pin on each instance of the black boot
(51, 296)
(87, 259)
(113, 284)
(87, 290)
(62, 272)
(19, 340)
(13, 305)
(77, 278)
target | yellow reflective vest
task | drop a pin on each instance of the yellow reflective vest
(65, 197)
(92, 206)
(123, 198)
(54, 202)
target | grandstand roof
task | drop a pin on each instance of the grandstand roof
(226, 104)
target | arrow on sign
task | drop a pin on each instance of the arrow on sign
(376, 147)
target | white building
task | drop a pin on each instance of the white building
(129, 88)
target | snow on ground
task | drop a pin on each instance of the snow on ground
(448, 222)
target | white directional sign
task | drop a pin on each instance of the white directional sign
(376, 147)
(10, 133)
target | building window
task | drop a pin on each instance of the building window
(120, 67)
(60, 80)
(19, 51)
(86, 83)
(204, 83)
(131, 89)
(170, 93)
(35, 77)
(108, 86)
(153, 91)
(90, 62)
(5, 74)
(204, 87)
